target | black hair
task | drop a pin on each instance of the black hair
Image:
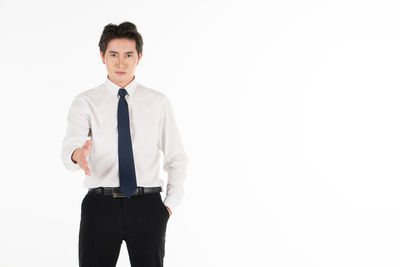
(124, 30)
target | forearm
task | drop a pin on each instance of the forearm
(78, 131)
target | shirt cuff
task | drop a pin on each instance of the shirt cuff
(173, 200)
(69, 164)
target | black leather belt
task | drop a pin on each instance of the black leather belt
(115, 191)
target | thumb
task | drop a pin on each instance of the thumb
(87, 145)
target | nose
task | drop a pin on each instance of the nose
(120, 63)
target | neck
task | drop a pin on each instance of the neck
(121, 84)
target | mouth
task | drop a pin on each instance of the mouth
(120, 72)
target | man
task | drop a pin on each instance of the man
(115, 133)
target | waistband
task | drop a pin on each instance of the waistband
(116, 192)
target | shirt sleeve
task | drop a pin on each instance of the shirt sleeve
(78, 131)
(175, 158)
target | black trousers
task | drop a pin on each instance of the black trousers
(140, 221)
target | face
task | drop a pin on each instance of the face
(121, 60)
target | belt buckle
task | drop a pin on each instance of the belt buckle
(117, 194)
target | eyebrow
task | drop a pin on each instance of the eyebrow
(129, 52)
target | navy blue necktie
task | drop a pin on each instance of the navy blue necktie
(127, 175)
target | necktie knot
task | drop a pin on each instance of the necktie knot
(122, 92)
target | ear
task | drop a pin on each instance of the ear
(140, 56)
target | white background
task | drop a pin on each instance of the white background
(288, 110)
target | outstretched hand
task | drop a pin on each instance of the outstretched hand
(80, 155)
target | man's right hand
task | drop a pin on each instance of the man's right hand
(80, 154)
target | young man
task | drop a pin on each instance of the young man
(115, 133)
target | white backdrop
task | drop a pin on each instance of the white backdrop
(288, 111)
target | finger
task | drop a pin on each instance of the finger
(84, 164)
(85, 167)
(87, 148)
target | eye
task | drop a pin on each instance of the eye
(129, 55)
(112, 55)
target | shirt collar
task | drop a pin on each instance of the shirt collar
(114, 88)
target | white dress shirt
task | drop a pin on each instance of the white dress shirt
(93, 115)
